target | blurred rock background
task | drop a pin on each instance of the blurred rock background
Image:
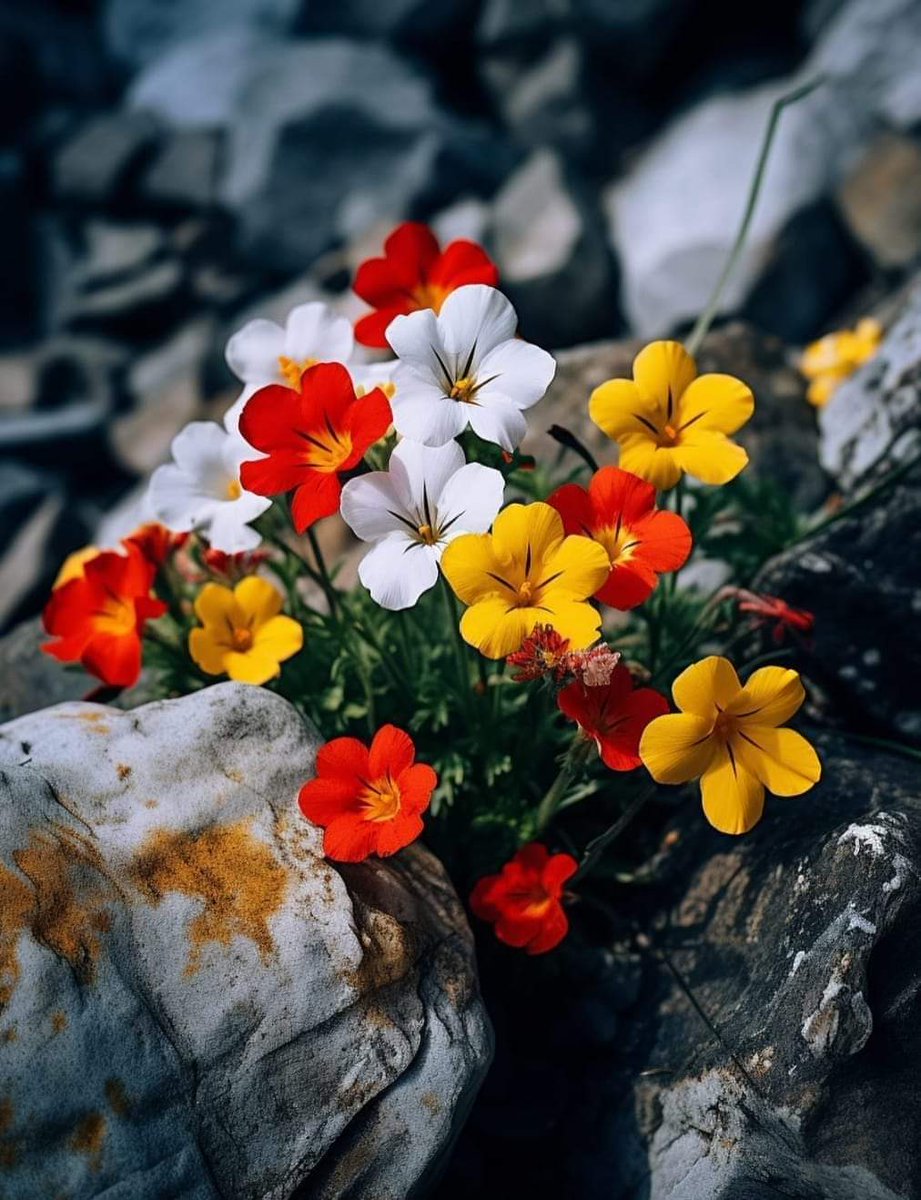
(169, 168)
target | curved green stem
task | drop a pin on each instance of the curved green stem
(595, 848)
(325, 578)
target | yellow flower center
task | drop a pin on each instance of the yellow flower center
(430, 295)
(292, 369)
(525, 594)
(669, 435)
(380, 800)
(327, 450)
(234, 490)
(463, 390)
(619, 541)
(242, 640)
(724, 726)
(427, 535)
(117, 616)
(388, 387)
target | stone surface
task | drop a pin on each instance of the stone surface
(192, 999)
(881, 199)
(94, 163)
(873, 421)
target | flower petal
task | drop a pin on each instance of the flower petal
(495, 629)
(398, 570)
(710, 457)
(254, 666)
(770, 697)
(218, 606)
(520, 528)
(420, 473)
(371, 507)
(578, 567)
(474, 320)
(662, 368)
(392, 752)
(781, 759)
(576, 620)
(469, 564)
(318, 497)
(207, 651)
(258, 599)
(423, 413)
(343, 758)
(656, 464)
(314, 331)
(463, 262)
(280, 637)
(677, 747)
(253, 351)
(619, 410)
(496, 419)
(718, 402)
(733, 799)
(665, 541)
(617, 493)
(522, 372)
(416, 341)
(706, 685)
(471, 499)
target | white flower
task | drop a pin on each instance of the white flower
(370, 375)
(466, 366)
(201, 490)
(262, 352)
(428, 497)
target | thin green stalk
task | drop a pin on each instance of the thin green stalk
(460, 649)
(325, 578)
(595, 848)
(705, 320)
(553, 797)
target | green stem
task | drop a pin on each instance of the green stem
(705, 320)
(595, 848)
(460, 649)
(324, 576)
(554, 795)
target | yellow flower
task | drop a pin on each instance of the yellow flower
(669, 420)
(525, 573)
(242, 634)
(728, 736)
(830, 360)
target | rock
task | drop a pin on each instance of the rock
(881, 202)
(193, 999)
(30, 679)
(781, 437)
(672, 252)
(94, 164)
(409, 21)
(860, 578)
(873, 420)
(549, 243)
(18, 306)
(184, 174)
(796, 943)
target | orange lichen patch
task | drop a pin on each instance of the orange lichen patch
(9, 1147)
(9, 1035)
(15, 908)
(97, 721)
(123, 771)
(88, 1138)
(117, 1097)
(58, 1021)
(69, 896)
(237, 878)
(151, 803)
(431, 1102)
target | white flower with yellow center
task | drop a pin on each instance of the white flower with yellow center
(466, 367)
(262, 352)
(426, 499)
(200, 489)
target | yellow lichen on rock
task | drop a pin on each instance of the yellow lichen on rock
(238, 879)
(88, 1138)
(15, 908)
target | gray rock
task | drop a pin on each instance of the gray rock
(192, 998)
(184, 174)
(880, 200)
(410, 21)
(672, 251)
(873, 420)
(95, 162)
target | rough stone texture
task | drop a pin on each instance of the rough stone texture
(881, 201)
(873, 421)
(800, 944)
(781, 438)
(861, 578)
(193, 1003)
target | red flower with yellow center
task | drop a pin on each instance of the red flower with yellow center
(415, 273)
(310, 436)
(98, 617)
(613, 715)
(368, 800)
(619, 512)
(524, 901)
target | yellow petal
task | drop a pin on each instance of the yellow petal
(279, 637)
(216, 605)
(706, 684)
(72, 567)
(733, 799)
(578, 621)
(620, 410)
(469, 564)
(718, 402)
(253, 666)
(822, 388)
(207, 652)
(580, 565)
(652, 462)
(527, 531)
(677, 747)
(770, 697)
(495, 629)
(782, 759)
(663, 367)
(822, 356)
(258, 599)
(709, 456)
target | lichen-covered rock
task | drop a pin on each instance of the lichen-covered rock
(193, 1002)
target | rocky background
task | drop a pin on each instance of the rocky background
(169, 169)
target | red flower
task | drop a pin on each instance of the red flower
(415, 273)
(99, 617)
(156, 542)
(368, 801)
(524, 900)
(614, 715)
(771, 609)
(233, 567)
(310, 435)
(619, 511)
(542, 653)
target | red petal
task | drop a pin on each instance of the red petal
(366, 421)
(552, 930)
(327, 395)
(629, 584)
(531, 858)
(483, 898)
(416, 787)
(115, 659)
(372, 329)
(574, 505)
(559, 868)
(392, 752)
(574, 702)
(392, 836)
(278, 473)
(350, 839)
(343, 758)
(665, 541)
(616, 493)
(323, 800)
(413, 251)
(461, 263)
(271, 416)
(316, 498)
(620, 749)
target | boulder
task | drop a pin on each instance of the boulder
(94, 164)
(881, 202)
(193, 1002)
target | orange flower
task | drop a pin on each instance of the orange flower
(99, 616)
(613, 716)
(524, 901)
(369, 801)
(156, 542)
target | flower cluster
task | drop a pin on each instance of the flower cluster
(829, 361)
(420, 457)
